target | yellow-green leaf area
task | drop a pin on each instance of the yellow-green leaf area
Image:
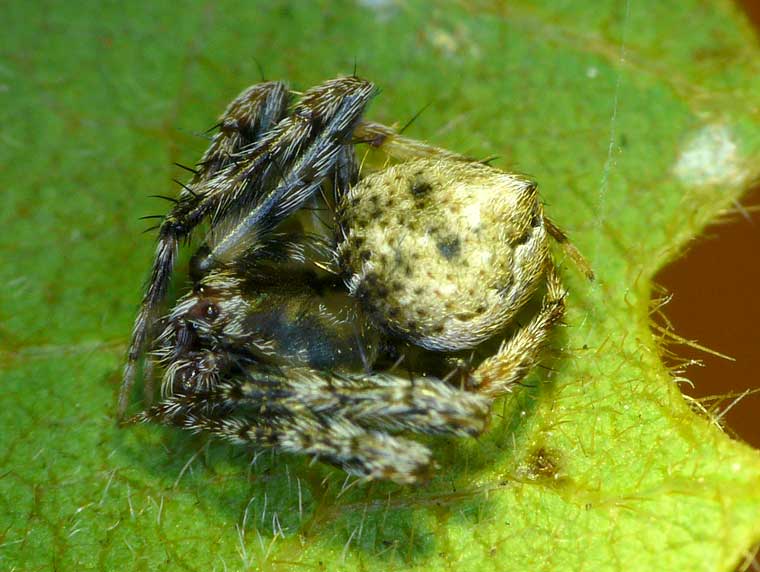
(638, 118)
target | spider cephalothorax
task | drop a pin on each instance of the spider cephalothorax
(329, 335)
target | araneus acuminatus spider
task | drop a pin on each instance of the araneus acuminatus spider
(329, 337)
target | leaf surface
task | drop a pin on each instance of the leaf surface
(640, 122)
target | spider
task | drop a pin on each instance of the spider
(329, 338)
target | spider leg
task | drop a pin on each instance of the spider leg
(572, 252)
(387, 139)
(496, 375)
(337, 440)
(332, 417)
(302, 250)
(241, 232)
(245, 120)
(246, 181)
(424, 405)
(373, 455)
(346, 173)
(253, 112)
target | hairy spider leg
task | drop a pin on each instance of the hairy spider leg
(497, 374)
(312, 164)
(570, 250)
(320, 123)
(244, 121)
(387, 139)
(290, 409)
(346, 173)
(271, 156)
(301, 249)
(254, 112)
(373, 455)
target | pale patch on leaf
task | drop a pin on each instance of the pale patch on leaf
(710, 157)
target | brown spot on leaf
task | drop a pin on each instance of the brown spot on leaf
(544, 464)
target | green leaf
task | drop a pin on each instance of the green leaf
(638, 118)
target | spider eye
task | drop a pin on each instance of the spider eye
(204, 310)
(212, 312)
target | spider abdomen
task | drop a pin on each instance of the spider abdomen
(443, 252)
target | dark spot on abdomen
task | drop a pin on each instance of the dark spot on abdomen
(449, 247)
(420, 188)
